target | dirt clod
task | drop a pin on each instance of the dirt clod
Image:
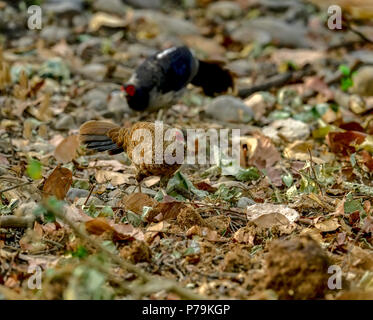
(297, 269)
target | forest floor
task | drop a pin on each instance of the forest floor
(295, 222)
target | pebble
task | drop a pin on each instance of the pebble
(94, 71)
(53, 34)
(110, 6)
(224, 9)
(363, 81)
(66, 122)
(65, 8)
(288, 129)
(92, 200)
(145, 4)
(260, 103)
(76, 193)
(244, 202)
(229, 109)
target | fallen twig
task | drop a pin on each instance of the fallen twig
(277, 81)
(15, 187)
(17, 222)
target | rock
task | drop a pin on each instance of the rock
(110, 6)
(92, 200)
(76, 193)
(89, 49)
(241, 67)
(244, 202)
(224, 9)
(260, 103)
(66, 8)
(66, 122)
(145, 4)
(297, 269)
(54, 68)
(167, 24)
(117, 107)
(94, 71)
(95, 99)
(365, 56)
(363, 81)
(271, 30)
(287, 129)
(229, 109)
(53, 34)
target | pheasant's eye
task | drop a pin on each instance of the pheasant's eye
(130, 90)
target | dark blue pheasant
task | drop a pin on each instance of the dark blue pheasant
(162, 78)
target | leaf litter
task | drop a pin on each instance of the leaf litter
(301, 201)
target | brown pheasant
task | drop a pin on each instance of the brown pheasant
(139, 142)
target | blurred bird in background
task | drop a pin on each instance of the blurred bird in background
(160, 81)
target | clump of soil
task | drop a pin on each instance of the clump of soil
(138, 251)
(236, 260)
(219, 223)
(297, 269)
(188, 217)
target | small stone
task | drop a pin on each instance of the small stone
(229, 109)
(260, 103)
(224, 9)
(145, 4)
(110, 6)
(94, 71)
(117, 107)
(289, 130)
(244, 202)
(53, 34)
(66, 122)
(92, 200)
(66, 8)
(363, 81)
(74, 193)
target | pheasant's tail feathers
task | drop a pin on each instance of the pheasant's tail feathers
(213, 78)
(96, 135)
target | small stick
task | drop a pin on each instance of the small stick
(15, 187)
(16, 222)
(89, 195)
(314, 172)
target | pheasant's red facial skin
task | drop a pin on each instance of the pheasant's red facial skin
(130, 90)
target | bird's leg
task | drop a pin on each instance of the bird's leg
(163, 184)
(160, 115)
(139, 177)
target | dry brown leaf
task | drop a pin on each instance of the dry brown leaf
(328, 225)
(100, 225)
(112, 165)
(115, 178)
(298, 56)
(165, 211)
(67, 149)
(58, 183)
(268, 215)
(298, 150)
(136, 202)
